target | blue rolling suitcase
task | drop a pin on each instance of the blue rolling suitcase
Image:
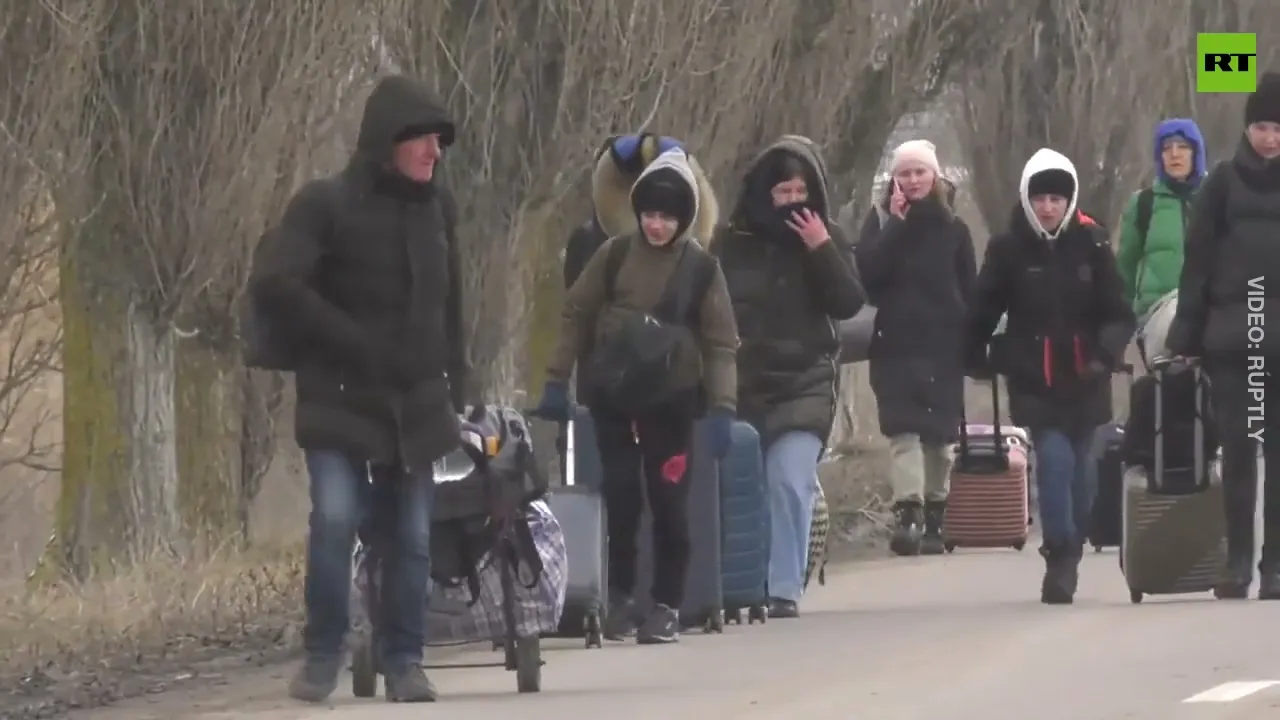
(728, 534)
(744, 528)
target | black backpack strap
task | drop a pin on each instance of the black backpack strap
(1142, 220)
(617, 253)
(686, 286)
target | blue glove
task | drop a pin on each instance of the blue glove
(554, 404)
(719, 429)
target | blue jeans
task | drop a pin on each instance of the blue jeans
(1065, 485)
(398, 507)
(791, 468)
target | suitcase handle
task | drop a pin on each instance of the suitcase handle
(564, 444)
(1001, 448)
(1160, 368)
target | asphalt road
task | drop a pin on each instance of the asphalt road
(960, 636)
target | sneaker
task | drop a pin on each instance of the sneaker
(906, 533)
(410, 685)
(316, 680)
(931, 542)
(662, 626)
(784, 609)
(621, 622)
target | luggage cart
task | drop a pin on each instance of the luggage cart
(521, 654)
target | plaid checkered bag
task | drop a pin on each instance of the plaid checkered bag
(452, 617)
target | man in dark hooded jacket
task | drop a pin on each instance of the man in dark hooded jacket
(1068, 324)
(791, 276)
(363, 276)
(1231, 272)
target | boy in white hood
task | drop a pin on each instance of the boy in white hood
(1054, 274)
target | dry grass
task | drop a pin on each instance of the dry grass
(67, 646)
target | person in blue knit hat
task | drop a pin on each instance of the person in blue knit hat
(1153, 228)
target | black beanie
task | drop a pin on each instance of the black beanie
(666, 191)
(1264, 104)
(1052, 182)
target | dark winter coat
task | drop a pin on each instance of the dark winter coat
(1234, 238)
(919, 272)
(583, 243)
(365, 277)
(1068, 322)
(786, 299)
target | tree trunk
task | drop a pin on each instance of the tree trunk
(119, 492)
(210, 406)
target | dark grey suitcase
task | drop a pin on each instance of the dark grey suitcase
(703, 591)
(1174, 532)
(580, 510)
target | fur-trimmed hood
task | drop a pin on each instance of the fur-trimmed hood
(807, 152)
(621, 161)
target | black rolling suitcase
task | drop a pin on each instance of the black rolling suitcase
(1105, 526)
(579, 507)
(1174, 532)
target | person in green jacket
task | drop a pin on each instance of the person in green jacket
(1154, 223)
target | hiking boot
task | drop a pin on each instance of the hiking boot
(1060, 576)
(662, 626)
(782, 608)
(621, 622)
(1269, 581)
(1234, 578)
(931, 542)
(316, 680)
(410, 685)
(906, 532)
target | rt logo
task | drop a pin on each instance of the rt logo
(1228, 62)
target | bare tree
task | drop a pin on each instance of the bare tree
(197, 116)
(1087, 79)
(536, 87)
(40, 85)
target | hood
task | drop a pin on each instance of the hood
(682, 164)
(1188, 129)
(804, 149)
(1046, 159)
(616, 173)
(397, 104)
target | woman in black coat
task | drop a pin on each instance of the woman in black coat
(917, 264)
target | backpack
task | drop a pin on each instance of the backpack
(1142, 220)
(631, 369)
(263, 346)
(470, 509)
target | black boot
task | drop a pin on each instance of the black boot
(1060, 575)
(931, 543)
(906, 533)
(1268, 578)
(1235, 577)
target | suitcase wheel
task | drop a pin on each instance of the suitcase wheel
(714, 623)
(758, 614)
(949, 546)
(1135, 596)
(1020, 545)
(593, 632)
(733, 617)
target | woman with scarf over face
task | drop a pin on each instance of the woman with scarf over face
(790, 276)
(917, 262)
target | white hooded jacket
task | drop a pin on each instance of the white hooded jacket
(1045, 159)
